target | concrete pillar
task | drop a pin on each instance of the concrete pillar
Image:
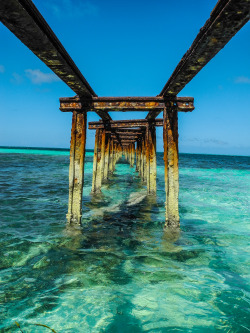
(103, 138)
(114, 157)
(170, 139)
(151, 159)
(97, 171)
(130, 155)
(133, 154)
(136, 157)
(144, 175)
(76, 167)
(107, 157)
(142, 160)
(111, 148)
(139, 157)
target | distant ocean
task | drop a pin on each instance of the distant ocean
(120, 272)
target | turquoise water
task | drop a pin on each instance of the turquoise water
(120, 272)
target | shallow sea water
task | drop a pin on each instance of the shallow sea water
(120, 272)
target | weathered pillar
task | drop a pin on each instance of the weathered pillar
(133, 154)
(103, 138)
(114, 157)
(130, 155)
(142, 160)
(111, 149)
(151, 159)
(136, 157)
(97, 171)
(107, 160)
(76, 167)
(144, 174)
(139, 157)
(170, 139)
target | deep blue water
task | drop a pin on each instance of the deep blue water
(120, 272)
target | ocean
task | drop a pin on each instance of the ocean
(120, 272)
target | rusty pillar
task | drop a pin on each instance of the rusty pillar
(136, 157)
(103, 153)
(144, 174)
(151, 159)
(133, 154)
(97, 171)
(114, 157)
(139, 157)
(170, 139)
(76, 167)
(142, 160)
(111, 149)
(107, 157)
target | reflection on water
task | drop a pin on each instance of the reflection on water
(120, 272)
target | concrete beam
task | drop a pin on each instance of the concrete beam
(107, 104)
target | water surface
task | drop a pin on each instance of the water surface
(120, 272)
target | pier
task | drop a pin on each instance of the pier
(134, 139)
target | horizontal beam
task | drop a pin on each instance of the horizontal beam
(124, 141)
(24, 20)
(227, 18)
(124, 123)
(125, 137)
(107, 104)
(125, 133)
(129, 135)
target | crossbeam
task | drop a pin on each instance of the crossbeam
(124, 123)
(127, 131)
(107, 104)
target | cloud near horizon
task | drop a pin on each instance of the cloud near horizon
(36, 76)
(242, 79)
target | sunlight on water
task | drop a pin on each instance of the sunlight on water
(120, 272)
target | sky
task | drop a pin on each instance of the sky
(126, 48)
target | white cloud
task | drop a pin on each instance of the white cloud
(2, 69)
(73, 8)
(38, 77)
(242, 79)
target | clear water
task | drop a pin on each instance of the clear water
(120, 272)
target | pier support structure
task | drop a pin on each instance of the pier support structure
(151, 158)
(97, 165)
(76, 167)
(107, 157)
(116, 138)
(170, 140)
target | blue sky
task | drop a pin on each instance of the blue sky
(126, 48)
